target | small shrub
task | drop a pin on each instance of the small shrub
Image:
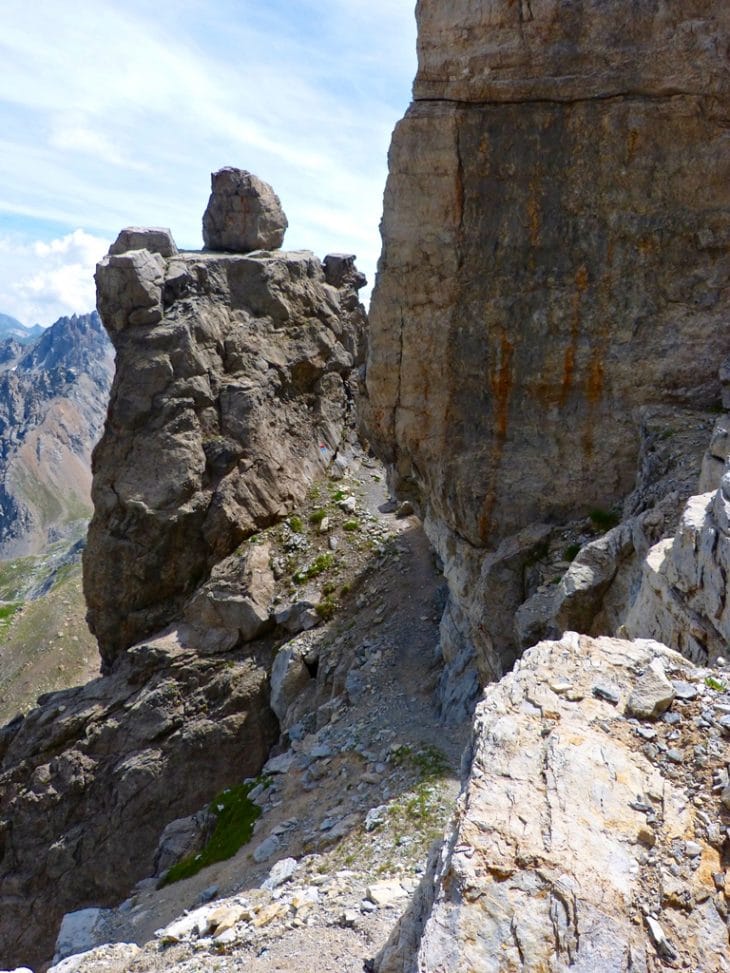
(322, 563)
(571, 551)
(329, 588)
(326, 609)
(604, 519)
(538, 553)
(338, 495)
(317, 516)
(296, 523)
(715, 684)
(350, 525)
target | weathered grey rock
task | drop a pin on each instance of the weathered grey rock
(80, 931)
(683, 594)
(111, 958)
(243, 213)
(716, 458)
(281, 872)
(235, 604)
(229, 397)
(652, 695)
(181, 838)
(527, 266)
(152, 238)
(268, 847)
(289, 677)
(101, 769)
(546, 867)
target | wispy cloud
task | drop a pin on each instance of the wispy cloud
(47, 279)
(115, 114)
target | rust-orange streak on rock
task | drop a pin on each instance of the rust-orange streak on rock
(581, 286)
(501, 381)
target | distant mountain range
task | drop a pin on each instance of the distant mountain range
(54, 388)
(12, 328)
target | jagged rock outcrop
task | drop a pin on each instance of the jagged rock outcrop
(234, 383)
(585, 839)
(89, 779)
(554, 262)
(53, 398)
(232, 390)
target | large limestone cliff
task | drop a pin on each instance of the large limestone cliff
(554, 273)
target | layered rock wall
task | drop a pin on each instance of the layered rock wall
(555, 259)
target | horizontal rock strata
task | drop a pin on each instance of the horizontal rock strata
(552, 250)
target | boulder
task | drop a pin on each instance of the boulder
(243, 213)
(546, 866)
(152, 238)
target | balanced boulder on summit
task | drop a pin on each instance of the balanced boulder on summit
(243, 213)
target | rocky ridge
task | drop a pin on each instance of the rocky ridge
(235, 377)
(53, 396)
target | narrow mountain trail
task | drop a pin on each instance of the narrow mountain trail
(360, 787)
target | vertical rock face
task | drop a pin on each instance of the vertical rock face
(231, 392)
(555, 258)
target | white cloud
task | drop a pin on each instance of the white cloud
(53, 278)
(115, 114)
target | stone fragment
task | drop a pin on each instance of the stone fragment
(182, 837)
(281, 764)
(81, 931)
(225, 917)
(385, 893)
(652, 695)
(268, 847)
(243, 213)
(684, 690)
(192, 925)
(281, 872)
(155, 239)
(289, 676)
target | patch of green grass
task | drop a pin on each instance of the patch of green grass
(571, 552)
(329, 588)
(346, 588)
(322, 563)
(326, 608)
(715, 684)
(338, 495)
(236, 815)
(296, 523)
(429, 761)
(317, 516)
(351, 525)
(7, 610)
(604, 519)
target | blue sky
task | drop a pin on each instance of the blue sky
(115, 112)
